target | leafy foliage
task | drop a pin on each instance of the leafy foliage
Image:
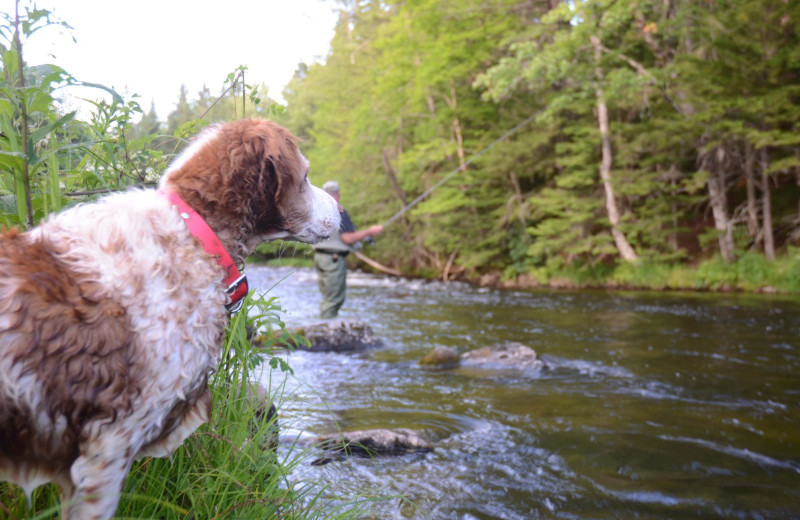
(698, 94)
(50, 159)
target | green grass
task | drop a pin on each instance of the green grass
(751, 272)
(227, 469)
(279, 253)
(291, 262)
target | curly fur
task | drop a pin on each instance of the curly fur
(112, 314)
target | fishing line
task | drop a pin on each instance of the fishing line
(460, 168)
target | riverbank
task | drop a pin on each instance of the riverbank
(750, 273)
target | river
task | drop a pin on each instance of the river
(655, 405)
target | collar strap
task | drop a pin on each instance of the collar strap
(234, 279)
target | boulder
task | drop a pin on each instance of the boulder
(369, 443)
(514, 356)
(264, 412)
(510, 356)
(440, 358)
(257, 397)
(339, 336)
(264, 408)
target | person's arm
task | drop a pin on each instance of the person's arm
(351, 237)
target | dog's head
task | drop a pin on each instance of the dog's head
(249, 181)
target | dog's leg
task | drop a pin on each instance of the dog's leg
(98, 475)
(195, 416)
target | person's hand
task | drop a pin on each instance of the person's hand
(375, 230)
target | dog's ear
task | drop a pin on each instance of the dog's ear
(274, 173)
(264, 170)
(269, 179)
(253, 173)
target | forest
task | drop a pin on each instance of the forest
(646, 144)
(614, 143)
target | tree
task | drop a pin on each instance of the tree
(666, 131)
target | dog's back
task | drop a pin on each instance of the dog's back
(100, 342)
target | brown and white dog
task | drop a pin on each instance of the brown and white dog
(112, 313)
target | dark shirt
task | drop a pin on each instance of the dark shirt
(347, 225)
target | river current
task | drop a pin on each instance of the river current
(654, 405)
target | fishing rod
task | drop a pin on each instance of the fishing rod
(460, 168)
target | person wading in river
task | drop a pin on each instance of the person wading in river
(330, 258)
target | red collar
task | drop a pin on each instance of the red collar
(234, 279)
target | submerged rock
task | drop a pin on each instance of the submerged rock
(264, 412)
(510, 356)
(256, 397)
(339, 336)
(503, 357)
(369, 443)
(264, 407)
(440, 358)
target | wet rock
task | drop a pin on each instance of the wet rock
(514, 356)
(489, 280)
(264, 408)
(264, 412)
(339, 336)
(510, 356)
(440, 358)
(369, 443)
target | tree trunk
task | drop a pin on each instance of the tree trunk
(667, 10)
(673, 236)
(449, 265)
(769, 239)
(462, 163)
(752, 211)
(392, 174)
(719, 208)
(797, 176)
(452, 102)
(624, 248)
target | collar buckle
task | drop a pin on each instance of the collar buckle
(237, 291)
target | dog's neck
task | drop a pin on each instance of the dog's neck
(234, 279)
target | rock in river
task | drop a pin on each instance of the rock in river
(330, 336)
(440, 358)
(339, 336)
(374, 442)
(503, 357)
(510, 356)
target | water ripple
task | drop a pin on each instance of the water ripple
(742, 453)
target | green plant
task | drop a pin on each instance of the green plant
(228, 468)
(26, 113)
(46, 154)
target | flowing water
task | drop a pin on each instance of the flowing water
(655, 405)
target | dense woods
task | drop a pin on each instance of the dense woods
(665, 132)
(656, 141)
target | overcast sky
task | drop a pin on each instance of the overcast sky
(152, 47)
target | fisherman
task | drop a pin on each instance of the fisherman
(330, 258)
